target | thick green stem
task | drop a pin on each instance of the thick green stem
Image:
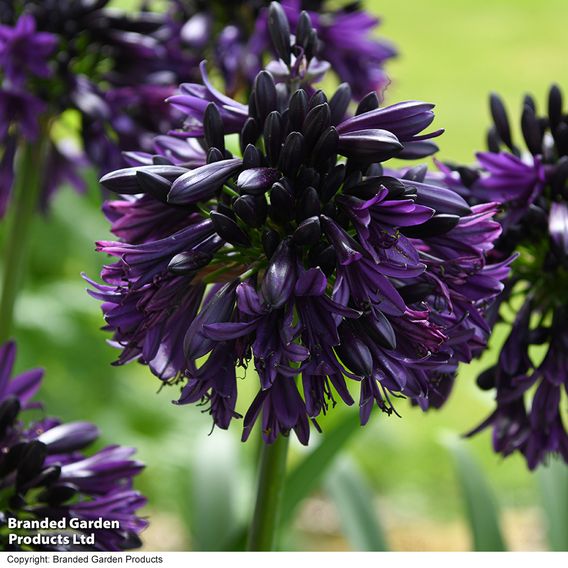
(29, 173)
(272, 475)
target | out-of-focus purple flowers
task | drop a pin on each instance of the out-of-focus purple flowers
(241, 39)
(114, 69)
(45, 474)
(531, 373)
(303, 256)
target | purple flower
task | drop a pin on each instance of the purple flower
(44, 473)
(24, 50)
(534, 224)
(292, 261)
(348, 42)
(20, 110)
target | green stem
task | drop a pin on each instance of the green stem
(29, 174)
(272, 475)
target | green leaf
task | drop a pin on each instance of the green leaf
(354, 500)
(553, 482)
(308, 475)
(208, 504)
(480, 504)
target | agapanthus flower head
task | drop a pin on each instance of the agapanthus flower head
(114, 69)
(301, 256)
(44, 473)
(532, 185)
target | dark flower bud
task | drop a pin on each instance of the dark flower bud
(303, 29)
(347, 249)
(213, 127)
(560, 175)
(252, 110)
(486, 380)
(251, 209)
(437, 225)
(318, 98)
(531, 130)
(159, 160)
(48, 476)
(325, 148)
(281, 203)
(529, 101)
(554, 106)
(228, 230)
(307, 177)
(9, 410)
(251, 157)
(226, 210)
(339, 103)
(379, 329)
(69, 437)
(493, 140)
(280, 276)
(326, 259)
(292, 154)
(374, 170)
(560, 136)
(442, 200)
(353, 352)
(257, 180)
(417, 150)
(298, 109)
(308, 205)
(125, 181)
(249, 133)
(413, 293)
(31, 461)
(368, 103)
(201, 183)
(371, 144)
(317, 121)
(308, 232)
(279, 29)
(468, 176)
(58, 494)
(500, 119)
(273, 136)
(312, 45)
(153, 184)
(332, 182)
(417, 173)
(217, 310)
(188, 262)
(270, 241)
(214, 155)
(264, 95)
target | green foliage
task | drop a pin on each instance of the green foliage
(355, 502)
(480, 505)
(309, 473)
(553, 482)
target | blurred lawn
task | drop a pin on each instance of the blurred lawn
(453, 54)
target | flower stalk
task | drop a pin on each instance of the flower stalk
(271, 479)
(28, 187)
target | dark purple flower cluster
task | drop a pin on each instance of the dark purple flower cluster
(304, 255)
(44, 474)
(533, 362)
(347, 34)
(115, 69)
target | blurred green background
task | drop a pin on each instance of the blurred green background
(451, 53)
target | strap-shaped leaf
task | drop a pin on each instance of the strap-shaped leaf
(553, 482)
(354, 500)
(308, 475)
(480, 504)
